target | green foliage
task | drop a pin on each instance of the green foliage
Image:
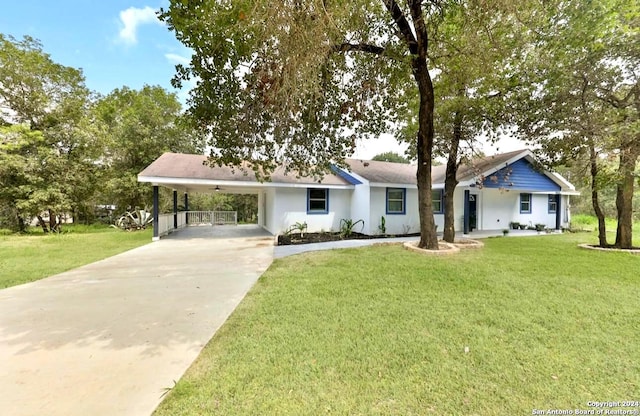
(579, 98)
(300, 227)
(390, 157)
(246, 205)
(137, 126)
(383, 225)
(272, 78)
(35, 90)
(347, 226)
(46, 144)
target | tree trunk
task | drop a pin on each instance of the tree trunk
(54, 226)
(22, 227)
(428, 236)
(450, 181)
(624, 197)
(42, 223)
(602, 227)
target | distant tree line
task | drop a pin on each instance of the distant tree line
(67, 150)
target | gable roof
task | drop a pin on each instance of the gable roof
(390, 172)
(485, 165)
(191, 170)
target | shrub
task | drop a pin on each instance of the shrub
(346, 227)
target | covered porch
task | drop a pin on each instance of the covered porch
(209, 223)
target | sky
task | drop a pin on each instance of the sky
(120, 43)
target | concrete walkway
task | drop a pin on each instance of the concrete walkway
(109, 338)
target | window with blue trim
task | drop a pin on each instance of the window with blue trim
(317, 201)
(525, 203)
(437, 201)
(396, 200)
(553, 204)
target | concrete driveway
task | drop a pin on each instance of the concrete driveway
(109, 338)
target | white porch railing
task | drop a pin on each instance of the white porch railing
(212, 217)
(182, 219)
(165, 222)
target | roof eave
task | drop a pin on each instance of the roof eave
(170, 182)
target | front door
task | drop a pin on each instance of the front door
(473, 212)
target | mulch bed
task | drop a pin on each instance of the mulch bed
(307, 238)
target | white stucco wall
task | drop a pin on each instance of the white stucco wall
(269, 211)
(539, 212)
(284, 207)
(499, 208)
(360, 209)
(395, 223)
(458, 210)
(496, 209)
(290, 206)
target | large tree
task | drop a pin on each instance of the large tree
(137, 126)
(472, 54)
(293, 82)
(44, 104)
(583, 70)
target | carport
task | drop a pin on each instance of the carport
(188, 174)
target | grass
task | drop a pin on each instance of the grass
(26, 258)
(590, 223)
(523, 324)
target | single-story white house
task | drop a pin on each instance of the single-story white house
(492, 192)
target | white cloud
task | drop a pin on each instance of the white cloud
(177, 59)
(131, 19)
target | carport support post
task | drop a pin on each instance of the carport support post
(186, 208)
(558, 212)
(466, 212)
(175, 209)
(156, 204)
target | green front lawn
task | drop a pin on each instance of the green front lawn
(25, 258)
(525, 323)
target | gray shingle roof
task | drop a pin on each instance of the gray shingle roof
(388, 172)
(186, 166)
(383, 172)
(178, 165)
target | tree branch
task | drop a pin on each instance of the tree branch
(358, 47)
(404, 26)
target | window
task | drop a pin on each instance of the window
(437, 197)
(317, 201)
(553, 204)
(396, 200)
(525, 203)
